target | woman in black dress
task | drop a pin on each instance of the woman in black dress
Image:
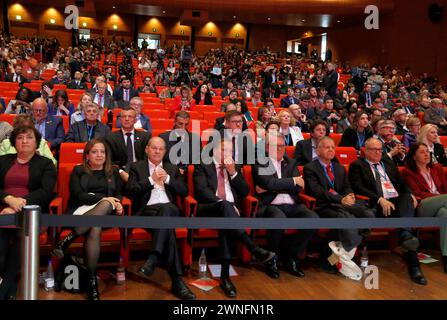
(95, 189)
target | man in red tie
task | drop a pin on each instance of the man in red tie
(218, 186)
(327, 181)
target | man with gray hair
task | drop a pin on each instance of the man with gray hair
(378, 178)
(50, 127)
(327, 181)
(278, 183)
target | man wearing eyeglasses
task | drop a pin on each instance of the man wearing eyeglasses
(243, 147)
(278, 183)
(378, 178)
(50, 127)
(393, 148)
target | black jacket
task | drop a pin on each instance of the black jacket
(273, 184)
(81, 190)
(350, 139)
(205, 184)
(42, 179)
(118, 148)
(78, 131)
(363, 182)
(139, 188)
(317, 184)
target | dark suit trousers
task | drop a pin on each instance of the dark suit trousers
(404, 208)
(163, 240)
(9, 261)
(298, 241)
(224, 209)
(349, 238)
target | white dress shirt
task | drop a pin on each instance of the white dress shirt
(158, 194)
(228, 193)
(281, 198)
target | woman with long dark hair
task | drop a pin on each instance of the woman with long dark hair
(61, 105)
(202, 96)
(95, 190)
(359, 131)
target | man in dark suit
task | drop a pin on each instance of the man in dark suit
(330, 80)
(220, 121)
(142, 120)
(289, 100)
(278, 183)
(59, 78)
(89, 128)
(154, 186)
(378, 178)
(393, 148)
(187, 144)
(327, 181)
(306, 150)
(127, 145)
(77, 82)
(243, 147)
(124, 93)
(50, 127)
(102, 97)
(367, 97)
(17, 76)
(218, 187)
(400, 117)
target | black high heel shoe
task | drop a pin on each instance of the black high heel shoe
(93, 292)
(62, 246)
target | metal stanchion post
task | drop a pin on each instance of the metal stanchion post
(30, 252)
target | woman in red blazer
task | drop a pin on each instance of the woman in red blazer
(184, 101)
(428, 182)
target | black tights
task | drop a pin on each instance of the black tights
(92, 242)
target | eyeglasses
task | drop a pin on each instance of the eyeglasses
(236, 121)
(375, 149)
(38, 111)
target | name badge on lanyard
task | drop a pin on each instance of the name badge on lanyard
(389, 191)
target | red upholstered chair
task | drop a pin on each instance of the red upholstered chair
(346, 155)
(71, 152)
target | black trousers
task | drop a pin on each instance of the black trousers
(9, 261)
(404, 208)
(349, 238)
(226, 237)
(299, 241)
(164, 241)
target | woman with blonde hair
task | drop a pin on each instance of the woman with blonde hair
(78, 115)
(413, 124)
(429, 136)
(292, 134)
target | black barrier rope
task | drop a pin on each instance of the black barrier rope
(229, 223)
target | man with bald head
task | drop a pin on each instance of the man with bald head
(377, 177)
(50, 127)
(154, 185)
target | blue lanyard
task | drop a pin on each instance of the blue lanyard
(287, 138)
(360, 139)
(331, 184)
(90, 131)
(384, 177)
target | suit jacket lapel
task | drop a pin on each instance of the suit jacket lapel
(213, 176)
(308, 150)
(83, 132)
(369, 173)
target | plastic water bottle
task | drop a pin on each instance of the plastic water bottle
(121, 273)
(202, 264)
(49, 279)
(364, 259)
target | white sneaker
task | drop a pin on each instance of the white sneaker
(346, 266)
(349, 269)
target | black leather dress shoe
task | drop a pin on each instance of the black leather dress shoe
(147, 269)
(263, 256)
(444, 260)
(271, 268)
(228, 288)
(417, 276)
(295, 267)
(181, 290)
